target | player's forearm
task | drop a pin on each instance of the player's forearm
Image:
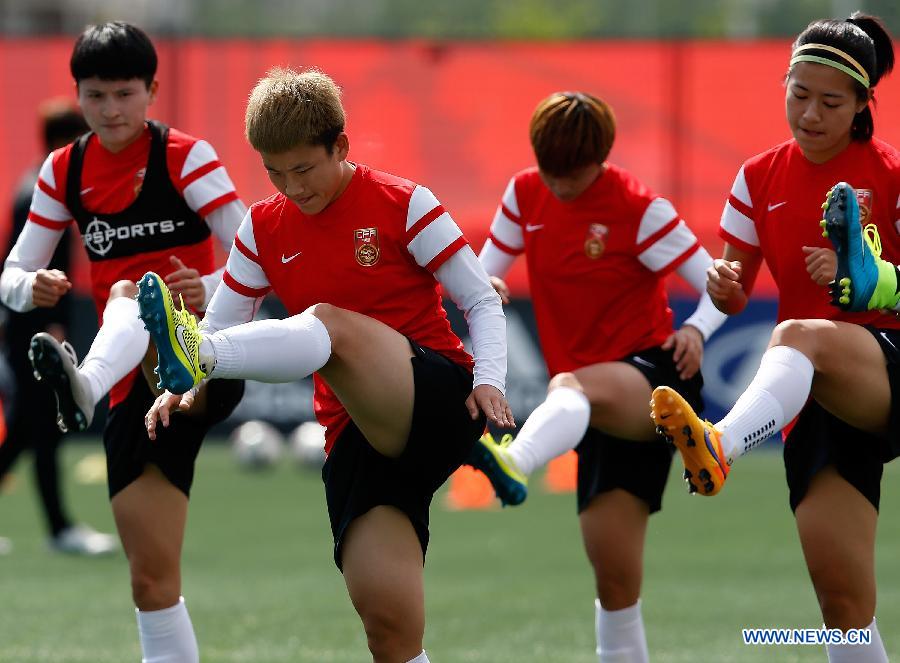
(495, 261)
(706, 318)
(228, 308)
(16, 287)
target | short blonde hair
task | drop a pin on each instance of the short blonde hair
(287, 109)
(571, 130)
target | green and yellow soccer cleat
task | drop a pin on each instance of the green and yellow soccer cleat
(864, 281)
(494, 461)
(175, 333)
(705, 466)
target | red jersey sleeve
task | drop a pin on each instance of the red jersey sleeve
(197, 173)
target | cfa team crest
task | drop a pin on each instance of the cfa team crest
(365, 241)
(864, 198)
(595, 242)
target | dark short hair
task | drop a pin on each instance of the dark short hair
(571, 130)
(113, 52)
(61, 122)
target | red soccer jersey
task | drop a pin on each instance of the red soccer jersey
(111, 182)
(775, 207)
(595, 265)
(373, 250)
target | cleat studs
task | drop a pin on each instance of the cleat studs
(690, 442)
(844, 299)
(704, 475)
(686, 431)
(691, 488)
(709, 486)
(687, 474)
(845, 281)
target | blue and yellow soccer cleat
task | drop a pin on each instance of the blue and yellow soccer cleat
(864, 281)
(493, 460)
(705, 467)
(175, 333)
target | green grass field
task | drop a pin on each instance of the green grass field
(509, 585)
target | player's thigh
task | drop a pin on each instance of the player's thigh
(614, 527)
(851, 379)
(837, 525)
(619, 395)
(371, 373)
(383, 568)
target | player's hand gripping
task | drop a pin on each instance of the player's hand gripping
(821, 264)
(688, 354)
(162, 409)
(489, 400)
(187, 282)
(49, 286)
(723, 283)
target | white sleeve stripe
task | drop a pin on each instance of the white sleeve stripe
(507, 231)
(46, 173)
(48, 207)
(739, 189)
(509, 198)
(421, 203)
(245, 271)
(201, 154)
(669, 248)
(434, 238)
(739, 225)
(245, 232)
(658, 214)
(211, 186)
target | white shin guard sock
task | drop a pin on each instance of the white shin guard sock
(553, 428)
(421, 658)
(873, 652)
(167, 635)
(776, 395)
(270, 350)
(118, 347)
(620, 635)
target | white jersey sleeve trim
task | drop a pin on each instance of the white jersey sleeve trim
(421, 202)
(465, 282)
(209, 187)
(46, 172)
(496, 262)
(507, 231)
(201, 153)
(658, 214)
(434, 238)
(228, 309)
(246, 271)
(224, 222)
(740, 190)
(49, 208)
(509, 198)
(739, 225)
(668, 248)
(245, 232)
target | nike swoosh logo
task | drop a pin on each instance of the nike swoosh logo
(285, 260)
(777, 205)
(532, 227)
(88, 190)
(643, 362)
(179, 336)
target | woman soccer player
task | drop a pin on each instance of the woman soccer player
(598, 245)
(143, 196)
(847, 362)
(356, 255)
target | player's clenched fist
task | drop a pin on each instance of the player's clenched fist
(723, 283)
(49, 286)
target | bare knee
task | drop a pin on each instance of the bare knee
(333, 318)
(391, 636)
(802, 335)
(123, 288)
(844, 604)
(564, 380)
(152, 590)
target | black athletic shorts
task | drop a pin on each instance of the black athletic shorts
(819, 439)
(358, 478)
(641, 468)
(175, 449)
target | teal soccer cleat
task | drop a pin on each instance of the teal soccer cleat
(492, 459)
(175, 333)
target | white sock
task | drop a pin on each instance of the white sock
(873, 652)
(776, 395)
(268, 350)
(167, 635)
(421, 658)
(620, 635)
(553, 428)
(118, 347)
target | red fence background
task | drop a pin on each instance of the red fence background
(454, 116)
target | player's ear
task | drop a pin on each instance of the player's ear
(342, 146)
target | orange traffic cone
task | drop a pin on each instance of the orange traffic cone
(562, 474)
(469, 489)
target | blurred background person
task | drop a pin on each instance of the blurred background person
(28, 424)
